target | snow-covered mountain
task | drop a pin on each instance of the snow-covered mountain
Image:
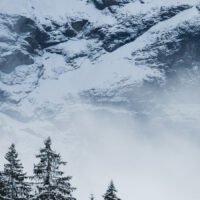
(90, 53)
(69, 68)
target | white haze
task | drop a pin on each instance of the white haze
(153, 157)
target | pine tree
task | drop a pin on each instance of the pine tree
(50, 182)
(111, 193)
(15, 185)
(2, 186)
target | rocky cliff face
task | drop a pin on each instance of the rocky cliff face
(119, 45)
(101, 52)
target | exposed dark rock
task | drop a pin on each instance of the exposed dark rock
(22, 24)
(33, 35)
(166, 13)
(70, 33)
(16, 58)
(96, 32)
(176, 52)
(184, 54)
(41, 37)
(101, 4)
(116, 40)
(47, 28)
(198, 7)
(78, 25)
(27, 30)
(135, 26)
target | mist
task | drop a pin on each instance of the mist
(150, 156)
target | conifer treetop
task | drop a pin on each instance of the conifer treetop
(15, 185)
(13, 164)
(111, 192)
(50, 182)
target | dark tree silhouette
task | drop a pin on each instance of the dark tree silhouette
(111, 193)
(15, 186)
(50, 182)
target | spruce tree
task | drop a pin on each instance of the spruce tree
(15, 185)
(49, 179)
(111, 193)
(2, 186)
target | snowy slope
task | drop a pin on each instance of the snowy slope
(83, 39)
